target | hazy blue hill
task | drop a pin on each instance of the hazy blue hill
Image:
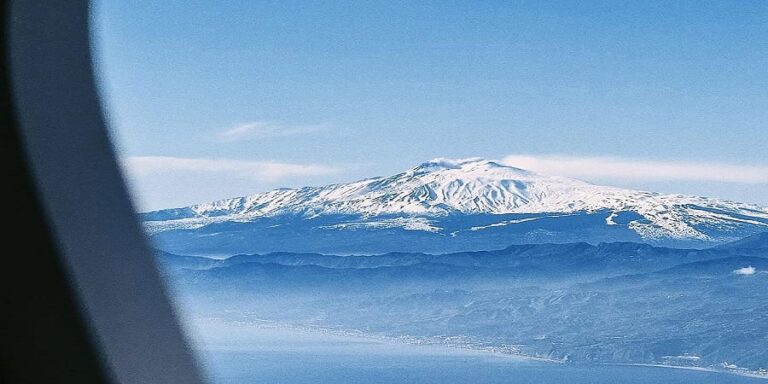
(611, 302)
(171, 261)
(555, 258)
(718, 267)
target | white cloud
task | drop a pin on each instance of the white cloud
(263, 170)
(586, 167)
(263, 129)
(745, 271)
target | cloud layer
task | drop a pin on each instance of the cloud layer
(637, 170)
(263, 170)
(263, 129)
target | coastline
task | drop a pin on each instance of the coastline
(452, 342)
(732, 371)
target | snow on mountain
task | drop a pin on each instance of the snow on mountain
(416, 199)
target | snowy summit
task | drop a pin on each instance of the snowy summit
(499, 199)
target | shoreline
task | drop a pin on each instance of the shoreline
(458, 343)
(731, 371)
(451, 342)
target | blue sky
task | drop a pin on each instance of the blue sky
(212, 99)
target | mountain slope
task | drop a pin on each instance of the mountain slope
(450, 205)
(755, 243)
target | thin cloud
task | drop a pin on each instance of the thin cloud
(586, 167)
(263, 170)
(263, 129)
(750, 270)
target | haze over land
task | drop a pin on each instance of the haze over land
(476, 254)
(612, 303)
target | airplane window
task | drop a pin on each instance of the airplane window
(439, 192)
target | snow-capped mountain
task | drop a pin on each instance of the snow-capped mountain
(444, 205)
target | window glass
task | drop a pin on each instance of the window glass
(442, 192)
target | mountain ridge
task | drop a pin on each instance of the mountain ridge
(435, 196)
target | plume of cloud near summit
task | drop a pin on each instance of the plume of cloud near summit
(257, 130)
(169, 181)
(616, 168)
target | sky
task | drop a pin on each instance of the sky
(215, 99)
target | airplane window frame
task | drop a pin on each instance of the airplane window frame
(79, 215)
(85, 300)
